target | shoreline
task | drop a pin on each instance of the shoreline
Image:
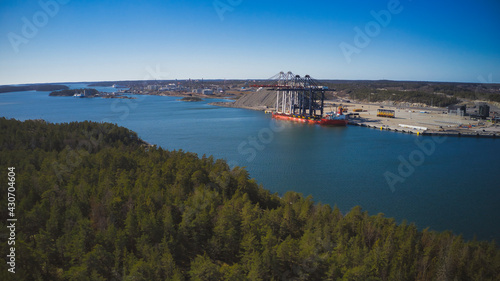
(232, 96)
(426, 121)
(427, 133)
(434, 122)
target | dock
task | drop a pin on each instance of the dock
(431, 122)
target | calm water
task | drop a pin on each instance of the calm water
(455, 187)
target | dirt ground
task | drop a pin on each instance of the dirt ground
(418, 119)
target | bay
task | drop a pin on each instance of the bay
(453, 183)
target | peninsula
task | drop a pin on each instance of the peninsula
(133, 211)
(88, 93)
(32, 87)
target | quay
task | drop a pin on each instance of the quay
(431, 122)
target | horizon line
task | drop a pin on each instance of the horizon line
(245, 79)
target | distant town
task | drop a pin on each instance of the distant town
(207, 88)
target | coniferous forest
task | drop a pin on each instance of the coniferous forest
(94, 202)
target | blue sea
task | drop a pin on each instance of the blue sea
(441, 183)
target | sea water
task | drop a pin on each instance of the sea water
(445, 184)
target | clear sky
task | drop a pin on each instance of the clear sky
(53, 41)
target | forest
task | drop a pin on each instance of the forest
(33, 87)
(95, 202)
(440, 94)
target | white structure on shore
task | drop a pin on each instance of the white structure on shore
(83, 94)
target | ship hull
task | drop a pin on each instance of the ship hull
(327, 122)
(323, 121)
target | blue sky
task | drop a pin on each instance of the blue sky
(456, 41)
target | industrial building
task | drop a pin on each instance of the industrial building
(457, 110)
(484, 111)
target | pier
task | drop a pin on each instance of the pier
(434, 122)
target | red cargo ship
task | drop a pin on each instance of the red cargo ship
(338, 119)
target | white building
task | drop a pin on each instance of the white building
(208, 92)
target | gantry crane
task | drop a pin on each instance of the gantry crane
(296, 95)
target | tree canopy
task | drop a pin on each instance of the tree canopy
(93, 201)
(440, 94)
